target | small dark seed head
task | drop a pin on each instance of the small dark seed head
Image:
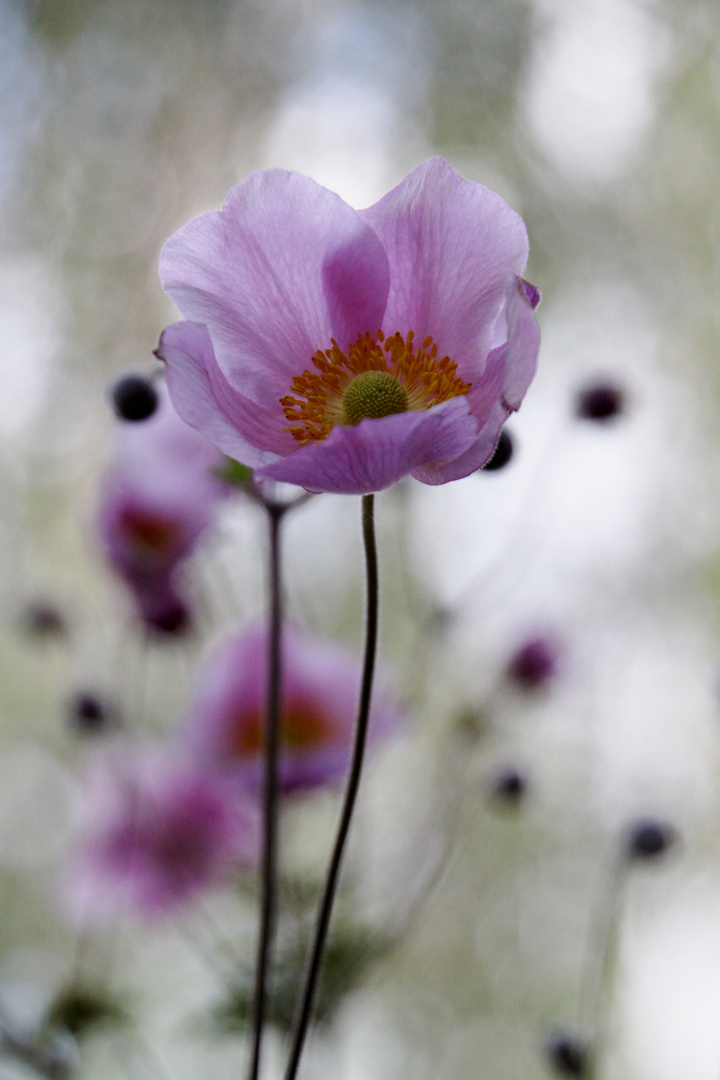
(600, 402)
(568, 1055)
(510, 787)
(174, 619)
(533, 664)
(649, 839)
(41, 619)
(89, 712)
(502, 453)
(134, 398)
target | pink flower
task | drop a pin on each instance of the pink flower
(341, 349)
(156, 501)
(321, 682)
(153, 834)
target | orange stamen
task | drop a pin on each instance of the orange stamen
(315, 404)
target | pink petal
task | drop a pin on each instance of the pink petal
(205, 400)
(510, 369)
(452, 245)
(377, 453)
(285, 266)
(523, 342)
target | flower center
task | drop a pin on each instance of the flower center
(373, 394)
(378, 376)
(150, 533)
(302, 729)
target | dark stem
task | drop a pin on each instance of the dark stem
(270, 792)
(599, 967)
(328, 896)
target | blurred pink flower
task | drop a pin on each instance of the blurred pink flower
(153, 833)
(341, 349)
(157, 499)
(321, 682)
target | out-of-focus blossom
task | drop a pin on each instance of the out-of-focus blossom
(154, 833)
(157, 499)
(341, 349)
(320, 681)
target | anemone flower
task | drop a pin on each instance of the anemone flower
(153, 834)
(157, 499)
(225, 726)
(341, 350)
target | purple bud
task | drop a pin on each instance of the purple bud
(510, 787)
(173, 618)
(600, 402)
(533, 664)
(568, 1055)
(89, 712)
(41, 619)
(648, 839)
(134, 398)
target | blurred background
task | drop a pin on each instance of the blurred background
(551, 623)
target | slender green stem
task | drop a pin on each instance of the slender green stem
(270, 793)
(328, 896)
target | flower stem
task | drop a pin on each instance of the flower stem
(275, 513)
(328, 896)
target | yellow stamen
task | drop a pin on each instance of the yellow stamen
(340, 392)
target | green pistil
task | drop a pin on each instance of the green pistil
(373, 394)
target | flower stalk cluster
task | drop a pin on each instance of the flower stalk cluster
(341, 351)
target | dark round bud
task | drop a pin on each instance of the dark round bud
(89, 712)
(510, 787)
(649, 839)
(173, 619)
(502, 453)
(600, 402)
(568, 1055)
(78, 1011)
(41, 619)
(533, 664)
(134, 398)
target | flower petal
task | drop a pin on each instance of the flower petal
(523, 342)
(510, 369)
(490, 413)
(452, 244)
(204, 399)
(285, 266)
(377, 453)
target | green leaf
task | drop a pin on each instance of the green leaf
(233, 472)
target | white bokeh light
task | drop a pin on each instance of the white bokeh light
(590, 93)
(30, 325)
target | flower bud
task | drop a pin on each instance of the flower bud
(89, 712)
(568, 1055)
(533, 664)
(649, 839)
(510, 787)
(134, 398)
(600, 402)
(41, 619)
